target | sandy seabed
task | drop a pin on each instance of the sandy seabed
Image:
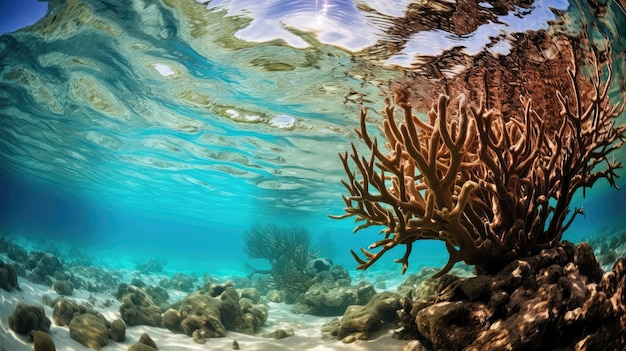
(307, 328)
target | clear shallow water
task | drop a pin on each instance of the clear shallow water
(167, 129)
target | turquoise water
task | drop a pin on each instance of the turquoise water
(140, 129)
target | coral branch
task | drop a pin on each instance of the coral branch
(492, 187)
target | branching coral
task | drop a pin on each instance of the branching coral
(493, 187)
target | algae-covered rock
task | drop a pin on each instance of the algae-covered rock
(209, 313)
(8, 277)
(327, 300)
(117, 331)
(89, 330)
(172, 319)
(145, 343)
(137, 307)
(276, 296)
(199, 310)
(360, 321)
(42, 341)
(63, 287)
(26, 318)
(147, 340)
(43, 267)
(65, 309)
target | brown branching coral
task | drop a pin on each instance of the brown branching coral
(493, 187)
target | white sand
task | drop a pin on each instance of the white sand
(307, 328)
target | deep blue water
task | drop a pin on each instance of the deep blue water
(168, 129)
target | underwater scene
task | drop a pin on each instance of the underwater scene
(312, 175)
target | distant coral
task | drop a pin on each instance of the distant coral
(287, 249)
(43, 267)
(152, 266)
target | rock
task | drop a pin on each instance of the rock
(26, 318)
(201, 311)
(276, 296)
(279, 333)
(587, 262)
(535, 303)
(42, 341)
(63, 287)
(89, 330)
(198, 336)
(147, 340)
(117, 331)
(209, 313)
(65, 309)
(8, 277)
(137, 307)
(252, 294)
(43, 267)
(172, 319)
(318, 265)
(159, 296)
(322, 299)
(360, 321)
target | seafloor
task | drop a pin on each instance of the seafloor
(147, 306)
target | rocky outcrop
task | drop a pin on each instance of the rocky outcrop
(359, 322)
(43, 267)
(209, 313)
(549, 301)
